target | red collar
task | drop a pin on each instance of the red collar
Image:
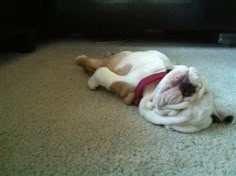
(146, 81)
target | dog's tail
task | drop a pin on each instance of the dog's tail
(221, 119)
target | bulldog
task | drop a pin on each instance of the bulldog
(175, 96)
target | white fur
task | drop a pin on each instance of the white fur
(184, 114)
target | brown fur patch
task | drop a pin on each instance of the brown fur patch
(89, 64)
(125, 91)
(113, 61)
(124, 70)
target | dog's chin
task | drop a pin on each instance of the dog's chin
(168, 91)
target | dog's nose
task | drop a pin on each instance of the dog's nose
(187, 89)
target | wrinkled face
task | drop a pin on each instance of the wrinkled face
(179, 85)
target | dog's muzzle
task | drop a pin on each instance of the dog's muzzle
(187, 89)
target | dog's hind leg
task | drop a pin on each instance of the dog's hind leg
(103, 77)
(113, 82)
(90, 65)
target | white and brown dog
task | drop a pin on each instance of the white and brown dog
(171, 95)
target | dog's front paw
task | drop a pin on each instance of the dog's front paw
(92, 83)
(150, 105)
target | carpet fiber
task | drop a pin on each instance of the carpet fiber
(52, 124)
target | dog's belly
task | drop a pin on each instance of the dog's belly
(133, 67)
(144, 63)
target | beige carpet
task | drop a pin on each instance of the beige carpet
(52, 124)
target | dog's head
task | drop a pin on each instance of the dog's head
(179, 85)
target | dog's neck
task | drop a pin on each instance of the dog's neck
(148, 84)
(150, 88)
